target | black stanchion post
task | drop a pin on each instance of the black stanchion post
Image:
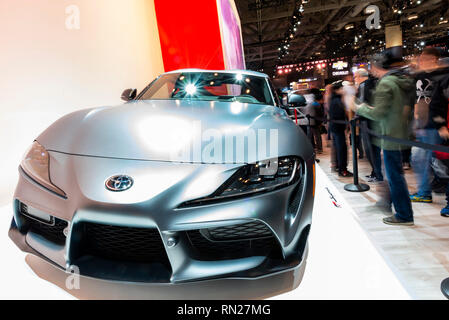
(355, 187)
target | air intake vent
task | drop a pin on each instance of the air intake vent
(250, 230)
(233, 242)
(124, 243)
(53, 231)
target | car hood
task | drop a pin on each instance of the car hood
(177, 130)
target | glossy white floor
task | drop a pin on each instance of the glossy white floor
(343, 263)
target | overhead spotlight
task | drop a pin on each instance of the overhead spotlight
(399, 11)
(422, 43)
(442, 22)
(412, 17)
(418, 2)
(421, 25)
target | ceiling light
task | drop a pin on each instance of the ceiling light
(412, 17)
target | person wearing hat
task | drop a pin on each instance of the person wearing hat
(337, 115)
(392, 104)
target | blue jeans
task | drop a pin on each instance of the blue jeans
(398, 186)
(422, 158)
(377, 163)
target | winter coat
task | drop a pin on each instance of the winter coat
(337, 111)
(393, 101)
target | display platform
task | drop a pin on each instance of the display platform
(343, 263)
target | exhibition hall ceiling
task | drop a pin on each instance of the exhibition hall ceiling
(331, 26)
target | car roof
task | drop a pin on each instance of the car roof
(247, 72)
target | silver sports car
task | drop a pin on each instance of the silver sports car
(202, 175)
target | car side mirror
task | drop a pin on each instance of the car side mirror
(296, 100)
(129, 94)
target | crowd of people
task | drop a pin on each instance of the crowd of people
(393, 102)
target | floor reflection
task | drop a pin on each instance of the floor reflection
(214, 289)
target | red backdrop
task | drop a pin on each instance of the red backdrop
(189, 33)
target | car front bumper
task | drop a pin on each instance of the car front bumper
(183, 249)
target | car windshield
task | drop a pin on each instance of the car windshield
(210, 86)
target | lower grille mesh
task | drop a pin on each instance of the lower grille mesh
(53, 233)
(255, 229)
(124, 243)
(233, 242)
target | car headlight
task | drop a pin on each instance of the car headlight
(263, 176)
(36, 164)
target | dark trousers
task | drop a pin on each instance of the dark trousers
(339, 140)
(316, 138)
(377, 163)
(398, 186)
(406, 155)
(447, 194)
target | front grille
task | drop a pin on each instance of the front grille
(53, 232)
(123, 243)
(255, 229)
(233, 242)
